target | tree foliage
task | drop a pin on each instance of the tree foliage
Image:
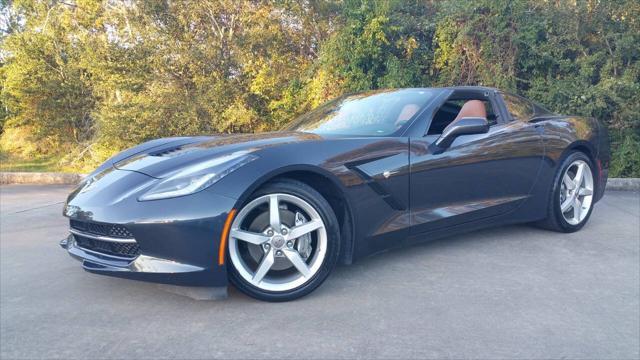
(86, 78)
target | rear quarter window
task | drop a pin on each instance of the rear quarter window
(517, 107)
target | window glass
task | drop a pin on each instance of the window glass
(450, 110)
(375, 113)
(518, 108)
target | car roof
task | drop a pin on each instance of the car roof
(437, 88)
(444, 88)
(469, 87)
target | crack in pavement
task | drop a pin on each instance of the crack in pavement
(34, 208)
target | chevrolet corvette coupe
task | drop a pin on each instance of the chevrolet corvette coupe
(274, 213)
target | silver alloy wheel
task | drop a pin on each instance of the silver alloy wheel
(279, 242)
(576, 192)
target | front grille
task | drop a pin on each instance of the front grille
(128, 250)
(113, 248)
(112, 230)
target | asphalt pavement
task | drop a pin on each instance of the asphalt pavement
(513, 292)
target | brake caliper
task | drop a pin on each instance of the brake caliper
(303, 243)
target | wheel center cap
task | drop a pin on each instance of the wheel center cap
(277, 241)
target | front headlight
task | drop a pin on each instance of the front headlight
(197, 177)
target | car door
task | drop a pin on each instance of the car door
(478, 176)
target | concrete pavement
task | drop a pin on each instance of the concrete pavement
(511, 292)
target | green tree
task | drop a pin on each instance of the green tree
(85, 78)
(378, 45)
(198, 67)
(44, 88)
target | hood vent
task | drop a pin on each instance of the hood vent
(173, 152)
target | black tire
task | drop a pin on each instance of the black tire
(320, 204)
(554, 220)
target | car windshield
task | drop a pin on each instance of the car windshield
(374, 113)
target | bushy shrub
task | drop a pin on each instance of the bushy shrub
(626, 156)
(89, 78)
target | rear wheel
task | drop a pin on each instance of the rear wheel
(283, 243)
(571, 200)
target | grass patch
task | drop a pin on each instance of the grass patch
(14, 163)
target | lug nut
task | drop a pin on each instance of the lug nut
(289, 243)
(284, 231)
(279, 253)
(269, 232)
(267, 246)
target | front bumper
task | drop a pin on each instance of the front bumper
(145, 268)
(178, 238)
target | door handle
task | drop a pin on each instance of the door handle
(388, 173)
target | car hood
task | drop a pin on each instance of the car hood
(163, 160)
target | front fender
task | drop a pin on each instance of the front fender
(307, 168)
(376, 224)
(273, 162)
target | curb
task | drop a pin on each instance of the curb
(40, 178)
(623, 184)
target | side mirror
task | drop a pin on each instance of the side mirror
(463, 126)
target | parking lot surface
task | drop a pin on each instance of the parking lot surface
(510, 292)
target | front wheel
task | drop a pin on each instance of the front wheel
(283, 243)
(571, 200)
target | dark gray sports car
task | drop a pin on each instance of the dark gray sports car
(275, 212)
